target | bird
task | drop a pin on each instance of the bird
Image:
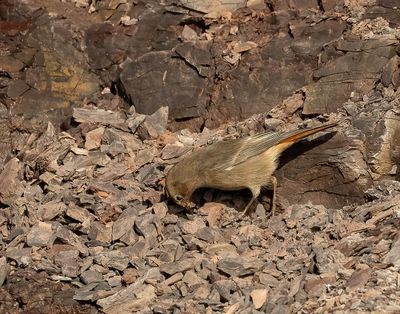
(234, 164)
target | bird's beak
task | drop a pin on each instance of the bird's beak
(190, 205)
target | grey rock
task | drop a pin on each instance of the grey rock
(85, 115)
(94, 138)
(123, 301)
(21, 256)
(51, 210)
(130, 141)
(139, 249)
(68, 261)
(177, 267)
(239, 266)
(149, 175)
(17, 88)
(49, 267)
(225, 288)
(390, 73)
(144, 156)
(114, 149)
(192, 279)
(100, 233)
(112, 259)
(71, 238)
(52, 180)
(154, 125)
(4, 269)
(78, 213)
(90, 276)
(134, 121)
(10, 185)
(10, 64)
(349, 76)
(173, 279)
(41, 234)
(124, 223)
(268, 280)
(171, 151)
(383, 189)
(148, 226)
(206, 234)
(86, 292)
(211, 7)
(103, 48)
(198, 55)
(114, 281)
(393, 257)
(147, 73)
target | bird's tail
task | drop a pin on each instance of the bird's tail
(296, 135)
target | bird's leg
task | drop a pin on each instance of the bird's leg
(255, 193)
(247, 207)
(274, 185)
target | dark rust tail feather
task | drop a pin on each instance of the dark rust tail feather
(300, 134)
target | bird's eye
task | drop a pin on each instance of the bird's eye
(178, 198)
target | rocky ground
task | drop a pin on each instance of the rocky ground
(98, 99)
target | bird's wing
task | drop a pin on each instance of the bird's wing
(252, 146)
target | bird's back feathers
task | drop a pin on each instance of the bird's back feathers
(242, 149)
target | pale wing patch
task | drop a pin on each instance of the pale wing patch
(235, 157)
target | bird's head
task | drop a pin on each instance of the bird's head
(180, 185)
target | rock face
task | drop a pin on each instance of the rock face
(98, 99)
(157, 79)
(205, 68)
